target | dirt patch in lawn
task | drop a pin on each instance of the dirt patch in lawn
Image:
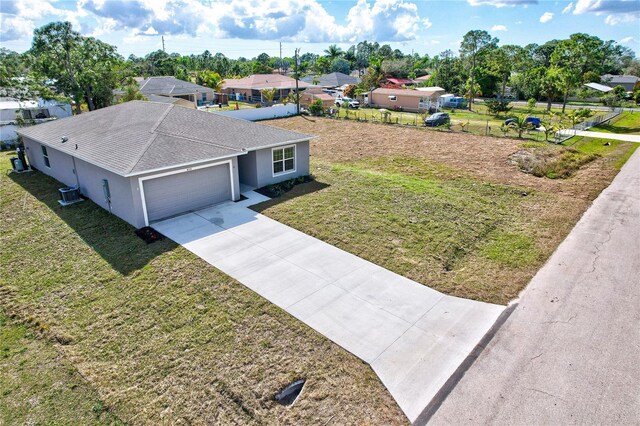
(448, 210)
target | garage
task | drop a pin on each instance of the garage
(188, 190)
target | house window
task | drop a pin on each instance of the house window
(45, 156)
(204, 97)
(284, 160)
(393, 98)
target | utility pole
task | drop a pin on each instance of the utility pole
(296, 76)
(280, 67)
(163, 44)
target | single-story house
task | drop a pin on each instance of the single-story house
(405, 99)
(629, 82)
(393, 81)
(332, 80)
(15, 113)
(170, 100)
(145, 161)
(175, 88)
(308, 97)
(248, 88)
(422, 79)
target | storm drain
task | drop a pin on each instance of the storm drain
(289, 394)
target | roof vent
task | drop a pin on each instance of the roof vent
(64, 139)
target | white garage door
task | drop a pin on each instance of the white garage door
(182, 192)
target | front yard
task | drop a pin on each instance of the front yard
(98, 327)
(448, 210)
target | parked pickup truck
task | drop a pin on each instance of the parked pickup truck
(348, 102)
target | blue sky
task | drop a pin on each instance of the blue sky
(250, 27)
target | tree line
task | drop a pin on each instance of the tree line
(63, 63)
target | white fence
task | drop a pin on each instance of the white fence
(565, 134)
(264, 113)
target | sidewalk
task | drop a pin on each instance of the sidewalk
(588, 134)
(570, 352)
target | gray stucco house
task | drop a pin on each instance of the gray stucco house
(158, 160)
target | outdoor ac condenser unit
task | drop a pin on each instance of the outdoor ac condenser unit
(69, 195)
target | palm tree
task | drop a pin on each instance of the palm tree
(520, 125)
(333, 52)
(269, 93)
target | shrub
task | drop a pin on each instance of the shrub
(316, 107)
(531, 103)
(496, 106)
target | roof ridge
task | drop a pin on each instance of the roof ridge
(152, 138)
(219, 145)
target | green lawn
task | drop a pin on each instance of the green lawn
(38, 386)
(626, 123)
(157, 335)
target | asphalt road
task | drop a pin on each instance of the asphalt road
(570, 351)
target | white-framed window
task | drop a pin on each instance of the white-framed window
(393, 98)
(45, 156)
(283, 159)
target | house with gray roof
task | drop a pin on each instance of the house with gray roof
(146, 161)
(332, 80)
(626, 81)
(172, 87)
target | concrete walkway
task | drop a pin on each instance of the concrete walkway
(570, 352)
(413, 337)
(614, 136)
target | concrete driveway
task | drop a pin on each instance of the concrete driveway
(412, 336)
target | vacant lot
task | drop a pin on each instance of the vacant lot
(97, 326)
(448, 210)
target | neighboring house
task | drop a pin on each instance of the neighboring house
(176, 88)
(405, 99)
(170, 100)
(310, 95)
(629, 82)
(15, 114)
(145, 161)
(249, 88)
(331, 81)
(397, 82)
(422, 79)
(599, 87)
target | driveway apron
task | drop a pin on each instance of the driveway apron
(413, 337)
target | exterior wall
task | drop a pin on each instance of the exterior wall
(408, 103)
(248, 171)
(266, 113)
(264, 165)
(89, 178)
(126, 201)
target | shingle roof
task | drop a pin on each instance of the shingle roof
(335, 79)
(169, 86)
(411, 92)
(263, 81)
(163, 99)
(620, 79)
(138, 136)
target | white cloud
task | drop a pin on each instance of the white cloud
(496, 28)
(617, 11)
(568, 8)
(501, 3)
(546, 17)
(14, 27)
(628, 40)
(426, 23)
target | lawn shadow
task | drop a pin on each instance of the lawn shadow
(297, 191)
(612, 128)
(108, 235)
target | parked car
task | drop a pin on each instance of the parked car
(437, 119)
(535, 121)
(348, 102)
(454, 102)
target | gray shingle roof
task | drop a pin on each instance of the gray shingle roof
(626, 79)
(170, 86)
(138, 136)
(163, 99)
(335, 79)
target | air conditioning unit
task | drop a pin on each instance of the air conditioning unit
(69, 195)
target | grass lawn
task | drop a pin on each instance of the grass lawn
(102, 323)
(626, 123)
(448, 210)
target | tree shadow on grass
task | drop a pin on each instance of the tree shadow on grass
(297, 191)
(108, 235)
